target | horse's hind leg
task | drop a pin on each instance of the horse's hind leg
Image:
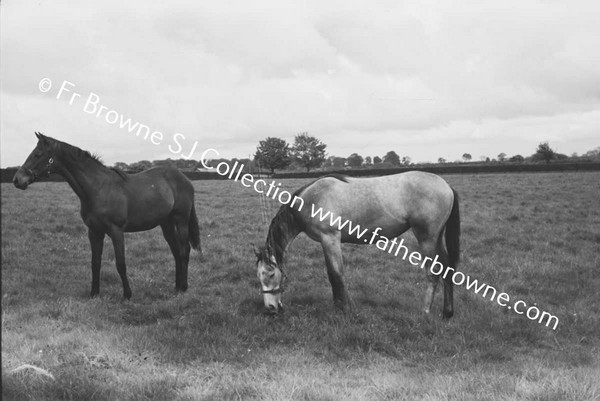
(118, 241)
(435, 261)
(335, 270)
(428, 251)
(168, 230)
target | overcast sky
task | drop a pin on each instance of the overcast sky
(427, 79)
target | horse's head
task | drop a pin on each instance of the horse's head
(40, 163)
(271, 280)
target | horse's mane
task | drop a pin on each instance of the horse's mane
(76, 154)
(280, 229)
(285, 223)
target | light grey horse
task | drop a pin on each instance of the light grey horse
(384, 208)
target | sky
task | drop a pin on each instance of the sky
(427, 79)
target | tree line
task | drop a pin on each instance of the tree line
(309, 153)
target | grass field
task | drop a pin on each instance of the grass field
(533, 236)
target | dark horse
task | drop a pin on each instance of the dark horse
(113, 202)
(384, 208)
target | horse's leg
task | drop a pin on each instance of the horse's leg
(428, 250)
(332, 249)
(97, 244)
(118, 240)
(182, 227)
(440, 268)
(168, 230)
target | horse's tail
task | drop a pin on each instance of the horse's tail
(194, 230)
(453, 233)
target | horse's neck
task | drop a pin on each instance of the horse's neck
(83, 176)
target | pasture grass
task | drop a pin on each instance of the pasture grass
(533, 236)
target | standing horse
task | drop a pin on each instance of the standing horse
(113, 202)
(383, 207)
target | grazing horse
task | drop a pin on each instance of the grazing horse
(113, 202)
(383, 207)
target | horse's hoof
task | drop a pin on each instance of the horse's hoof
(447, 314)
(274, 312)
(342, 306)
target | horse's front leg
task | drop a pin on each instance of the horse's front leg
(332, 249)
(118, 241)
(97, 244)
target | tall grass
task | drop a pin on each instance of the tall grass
(534, 236)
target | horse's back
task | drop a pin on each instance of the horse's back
(393, 202)
(163, 176)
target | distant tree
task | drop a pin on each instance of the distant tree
(295, 165)
(122, 166)
(441, 160)
(392, 158)
(308, 151)
(273, 153)
(517, 159)
(337, 161)
(594, 153)
(368, 161)
(247, 163)
(467, 157)
(215, 162)
(560, 156)
(140, 166)
(355, 160)
(502, 157)
(487, 160)
(185, 164)
(167, 162)
(574, 155)
(544, 152)
(252, 166)
(377, 160)
(406, 160)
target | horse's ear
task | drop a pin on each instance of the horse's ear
(41, 136)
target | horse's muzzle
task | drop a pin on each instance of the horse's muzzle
(273, 310)
(21, 180)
